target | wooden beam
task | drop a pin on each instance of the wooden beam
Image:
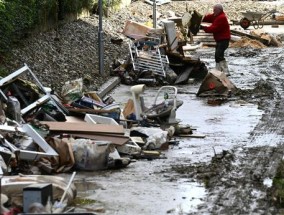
(83, 127)
(238, 33)
(192, 135)
(117, 140)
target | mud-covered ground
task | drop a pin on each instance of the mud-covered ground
(230, 171)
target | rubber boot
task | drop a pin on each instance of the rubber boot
(224, 67)
(218, 67)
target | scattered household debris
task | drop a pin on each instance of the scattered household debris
(166, 55)
(163, 110)
(160, 56)
(216, 83)
(50, 190)
(76, 116)
(46, 133)
(43, 132)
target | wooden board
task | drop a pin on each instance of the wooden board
(83, 127)
(238, 33)
(192, 135)
(117, 140)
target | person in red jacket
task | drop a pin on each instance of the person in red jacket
(221, 32)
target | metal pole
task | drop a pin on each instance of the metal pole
(101, 39)
(154, 14)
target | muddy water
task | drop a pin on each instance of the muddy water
(189, 180)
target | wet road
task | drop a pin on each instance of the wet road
(251, 135)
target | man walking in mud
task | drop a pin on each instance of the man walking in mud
(221, 32)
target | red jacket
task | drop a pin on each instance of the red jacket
(220, 26)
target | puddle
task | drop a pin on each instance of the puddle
(142, 188)
(192, 193)
(86, 187)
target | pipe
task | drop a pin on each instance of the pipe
(136, 91)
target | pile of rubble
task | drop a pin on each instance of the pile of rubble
(45, 133)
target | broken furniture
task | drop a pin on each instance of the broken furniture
(183, 59)
(158, 56)
(146, 57)
(45, 149)
(103, 132)
(172, 40)
(136, 30)
(129, 148)
(29, 99)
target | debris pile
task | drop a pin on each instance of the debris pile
(43, 133)
(254, 39)
(161, 55)
(246, 42)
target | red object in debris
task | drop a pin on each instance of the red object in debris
(13, 211)
(211, 85)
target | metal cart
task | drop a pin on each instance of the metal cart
(256, 19)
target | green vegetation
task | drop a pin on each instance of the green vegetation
(114, 4)
(76, 6)
(81, 201)
(18, 18)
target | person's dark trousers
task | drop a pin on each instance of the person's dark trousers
(221, 46)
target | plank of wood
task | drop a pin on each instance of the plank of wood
(192, 135)
(204, 36)
(204, 40)
(238, 33)
(117, 140)
(84, 127)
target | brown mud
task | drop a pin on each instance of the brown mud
(230, 170)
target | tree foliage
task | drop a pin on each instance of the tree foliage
(20, 17)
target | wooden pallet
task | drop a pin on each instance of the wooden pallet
(205, 38)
